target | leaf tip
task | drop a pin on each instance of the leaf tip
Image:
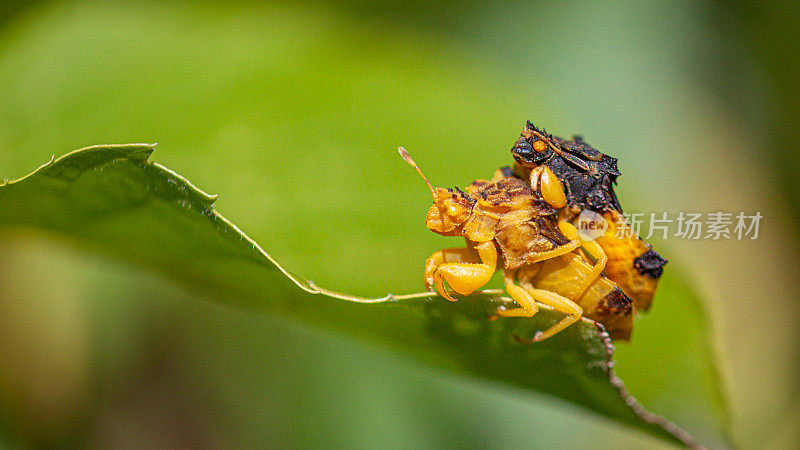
(139, 152)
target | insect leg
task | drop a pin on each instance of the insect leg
(545, 181)
(447, 255)
(593, 249)
(561, 250)
(596, 252)
(464, 278)
(574, 242)
(558, 303)
(525, 300)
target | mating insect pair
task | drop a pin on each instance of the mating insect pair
(520, 221)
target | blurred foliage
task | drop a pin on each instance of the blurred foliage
(295, 110)
(767, 37)
(10, 8)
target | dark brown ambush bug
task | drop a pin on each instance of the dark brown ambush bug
(520, 228)
(589, 177)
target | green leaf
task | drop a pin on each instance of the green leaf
(286, 110)
(113, 200)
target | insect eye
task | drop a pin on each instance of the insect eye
(539, 146)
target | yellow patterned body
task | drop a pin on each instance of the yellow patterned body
(623, 248)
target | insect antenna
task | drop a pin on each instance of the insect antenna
(411, 162)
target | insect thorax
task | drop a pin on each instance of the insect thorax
(508, 211)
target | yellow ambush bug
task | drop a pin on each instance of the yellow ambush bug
(516, 225)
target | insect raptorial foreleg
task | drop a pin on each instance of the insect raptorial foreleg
(448, 255)
(464, 278)
(524, 299)
(544, 181)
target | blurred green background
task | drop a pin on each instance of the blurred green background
(292, 112)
